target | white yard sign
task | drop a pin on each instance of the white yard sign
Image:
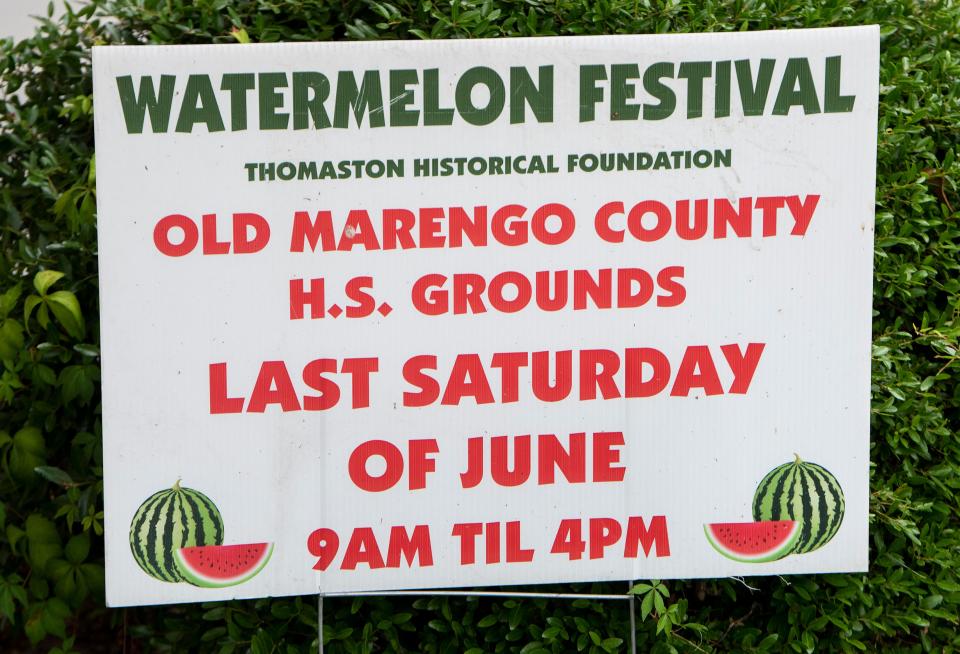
(465, 313)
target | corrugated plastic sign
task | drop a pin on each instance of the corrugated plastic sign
(408, 315)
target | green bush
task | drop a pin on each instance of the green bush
(51, 550)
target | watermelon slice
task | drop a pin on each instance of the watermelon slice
(218, 566)
(754, 542)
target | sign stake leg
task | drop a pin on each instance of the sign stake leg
(633, 619)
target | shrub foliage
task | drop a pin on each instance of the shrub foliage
(51, 510)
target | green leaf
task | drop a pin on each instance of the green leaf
(768, 642)
(64, 205)
(93, 575)
(55, 614)
(87, 349)
(646, 606)
(34, 626)
(215, 614)
(949, 586)
(9, 299)
(43, 541)
(31, 303)
(28, 452)
(11, 338)
(14, 535)
(77, 549)
(44, 279)
(30, 439)
(55, 475)
(931, 601)
(66, 309)
(658, 603)
(213, 634)
(77, 383)
(283, 610)
(44, 375)
(64, 576)
(262, 643)
(39, 588)
(664, 623)
(11, 594)
(487, 621)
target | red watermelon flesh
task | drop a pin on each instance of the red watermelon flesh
(218, 566)
(754, 542)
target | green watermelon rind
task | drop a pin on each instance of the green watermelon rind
(168, 520)
(801, 490)
(191, 576)
(783, 550)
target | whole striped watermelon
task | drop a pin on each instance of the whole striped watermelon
(168, 520)
(805, 492)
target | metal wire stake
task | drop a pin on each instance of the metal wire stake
(474, 593)
(480, 593)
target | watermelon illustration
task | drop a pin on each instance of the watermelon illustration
(219, 566)
(754, 542)
(169, 520)
(802, 491)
